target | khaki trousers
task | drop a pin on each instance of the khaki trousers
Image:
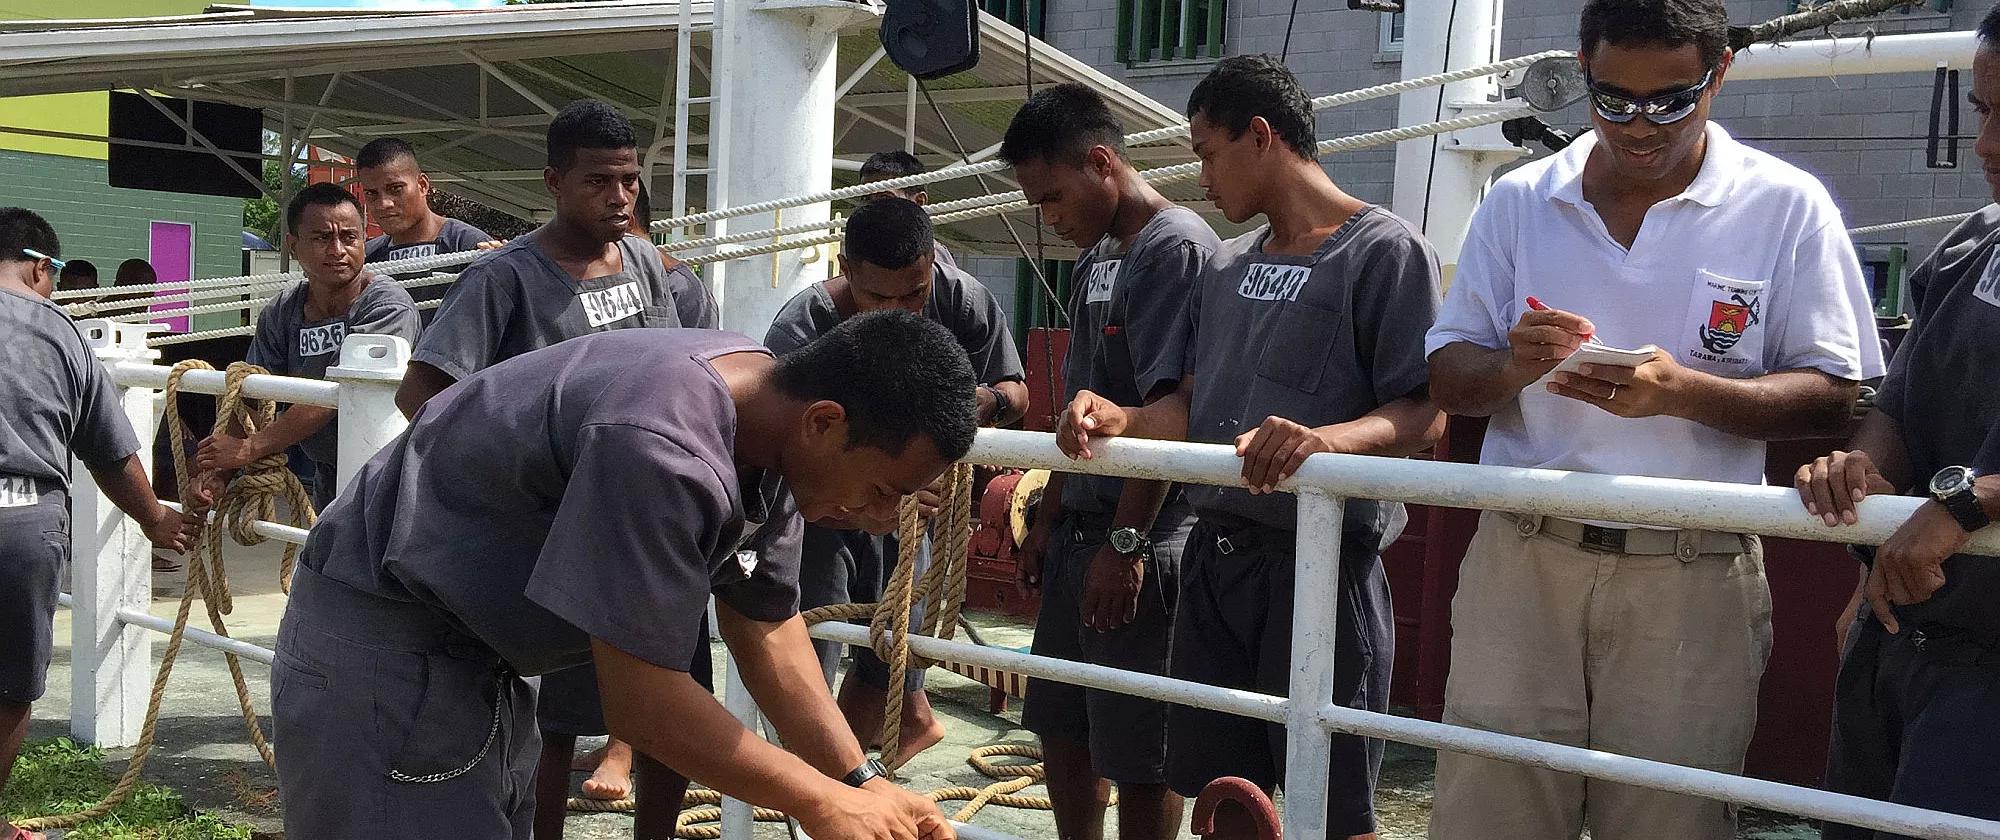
(1652, 656)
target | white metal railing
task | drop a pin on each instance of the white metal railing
(113, 583)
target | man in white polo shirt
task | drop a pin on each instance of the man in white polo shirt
(1658, 229)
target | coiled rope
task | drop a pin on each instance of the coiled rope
(941, 592)
(251, 497)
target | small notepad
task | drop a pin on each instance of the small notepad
(1592, 353)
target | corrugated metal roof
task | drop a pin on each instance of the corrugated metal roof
(435, 78)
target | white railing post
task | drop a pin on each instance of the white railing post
(371, 366)
(738, 819)
(111, 569)
(1315, 611)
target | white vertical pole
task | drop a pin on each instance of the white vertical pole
(371, 366)
(771, 135)
(1436, 187)
(110, 662)
(738, 821)
(1315, 611)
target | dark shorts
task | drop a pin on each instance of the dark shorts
(1234, 630)
(851, 567)
(321, 484)
(34, 544)
(394, 724)
(1127, 735)
(570, 704)
(1916, 721)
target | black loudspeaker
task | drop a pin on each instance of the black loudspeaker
(931, 38)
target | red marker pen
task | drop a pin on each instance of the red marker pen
(1536, 304)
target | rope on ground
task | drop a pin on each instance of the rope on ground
(701, 808)
(1906, 224)
(252, 496)
(1818, 17)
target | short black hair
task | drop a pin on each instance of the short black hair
(882, 166)
(317, 195)
(898, 375)
(1245, 86)
(891, 233)
(587, 124)
(1989, 28)
(1666, 23)
(135, 272)
(21, 230)
(79, 269)
(1060, 125)
(383, 151)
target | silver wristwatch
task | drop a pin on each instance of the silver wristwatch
(1130, 542)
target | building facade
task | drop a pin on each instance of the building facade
(65, 180)
(1864, 136)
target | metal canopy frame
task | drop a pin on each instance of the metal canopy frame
(473, 90)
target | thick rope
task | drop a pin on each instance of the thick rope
(251, 497)
(1906, 224)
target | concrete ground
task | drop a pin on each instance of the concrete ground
(203, 752)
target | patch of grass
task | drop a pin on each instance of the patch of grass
(61, 776)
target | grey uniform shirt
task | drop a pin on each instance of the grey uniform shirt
(942, 255)
(454, 237)
(55, 399)
(1129, 326)
(516, 299)
(1943, 389)
(958, 302)
(586, 490)
(288, 344)
(1317, 340)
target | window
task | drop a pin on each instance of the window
(1025, 15)
(1169, 30)
(1392, 32)
(1882, 266)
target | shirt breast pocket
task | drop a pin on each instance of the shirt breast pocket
(1296, 350)
(659, 316)
(1723, 331)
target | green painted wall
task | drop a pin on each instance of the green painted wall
(108, 225)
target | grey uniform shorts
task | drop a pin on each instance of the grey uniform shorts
(1234, 629)
(390, 724)
(1127, 735)
(34, 544)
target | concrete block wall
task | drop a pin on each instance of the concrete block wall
(1879, 178)
(108, 225)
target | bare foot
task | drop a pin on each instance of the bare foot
(921, 730)
(587, 763)
(612, 780)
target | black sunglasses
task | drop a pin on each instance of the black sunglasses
(1659, 110)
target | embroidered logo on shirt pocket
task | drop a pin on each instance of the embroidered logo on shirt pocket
(1725, 325)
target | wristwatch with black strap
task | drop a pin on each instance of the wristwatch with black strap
(1130, 542)
(868, 770)
(1001, 405)
(1952, 487)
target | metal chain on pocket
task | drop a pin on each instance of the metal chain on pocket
(492, 735)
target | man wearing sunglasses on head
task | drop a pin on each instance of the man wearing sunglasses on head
(1658, 229)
